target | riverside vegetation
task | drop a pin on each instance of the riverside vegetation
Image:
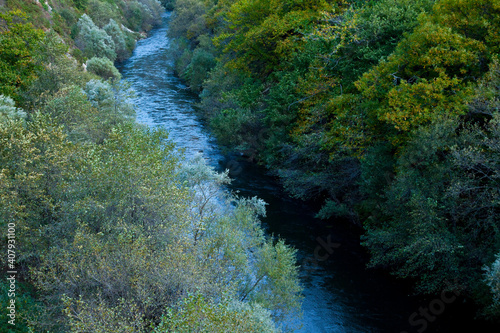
(115, 231)
(386, 112)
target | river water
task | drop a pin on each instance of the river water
(340, 294)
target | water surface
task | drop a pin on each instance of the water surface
(340, 294)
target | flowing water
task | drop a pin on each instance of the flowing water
(341, 295)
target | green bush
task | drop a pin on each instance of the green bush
(9, 111)
(94, 42)
(103, 67)
(119, 39)
(197, 314)
(197, 71)
(27, 308)
(102, 11)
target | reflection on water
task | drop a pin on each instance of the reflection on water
(340, 294)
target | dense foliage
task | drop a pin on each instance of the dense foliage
(385, 111)
(115, 230)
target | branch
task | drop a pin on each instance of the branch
(253, 287)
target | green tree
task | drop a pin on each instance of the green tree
(20, 43)
(35, 159)
(62, 71)
(189, 20)
(259, 36)
(71, 108)
(440, 221)
(119, 39)
(432, 71)
(101, 12)
(126, 231)
(111, 97)
(93, 41)
(197, 314)
(104, 68)
(9, 111)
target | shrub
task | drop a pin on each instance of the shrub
(103, 67)
(119, 38)
(197, 314)
(8, 110)
(197, 71)
(94, 42)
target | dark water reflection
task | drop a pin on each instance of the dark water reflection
(340, 294)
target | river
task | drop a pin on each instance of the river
(341, 295)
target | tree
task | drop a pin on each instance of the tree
(57, 70)
(259, 36)
(189, 20)
(432, 70)
(104, 68)
(102, 12)
(197, 314)
(118, 36)
(20, 43)
(134, 232)
(265, 270)
(35, 159)
(492, 279)
(93, 41)
(440, 221)
(8, 110)
(142, 14)
(82, 122)
(111, 97)
(351, 43)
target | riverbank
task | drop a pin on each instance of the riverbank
(340, 294)
(82, 183)
(360, 124)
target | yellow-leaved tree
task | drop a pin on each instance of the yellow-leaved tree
(433, 70)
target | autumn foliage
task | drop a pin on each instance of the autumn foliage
(385, 111)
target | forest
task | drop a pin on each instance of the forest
(385, 112)
(106, 227)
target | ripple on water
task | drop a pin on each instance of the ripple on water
(336, 298)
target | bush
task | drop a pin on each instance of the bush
(198, 69)
(8, 110)
(103, 67)
(102, 11)
(94, 42)
(119, 38)
(197, 314)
